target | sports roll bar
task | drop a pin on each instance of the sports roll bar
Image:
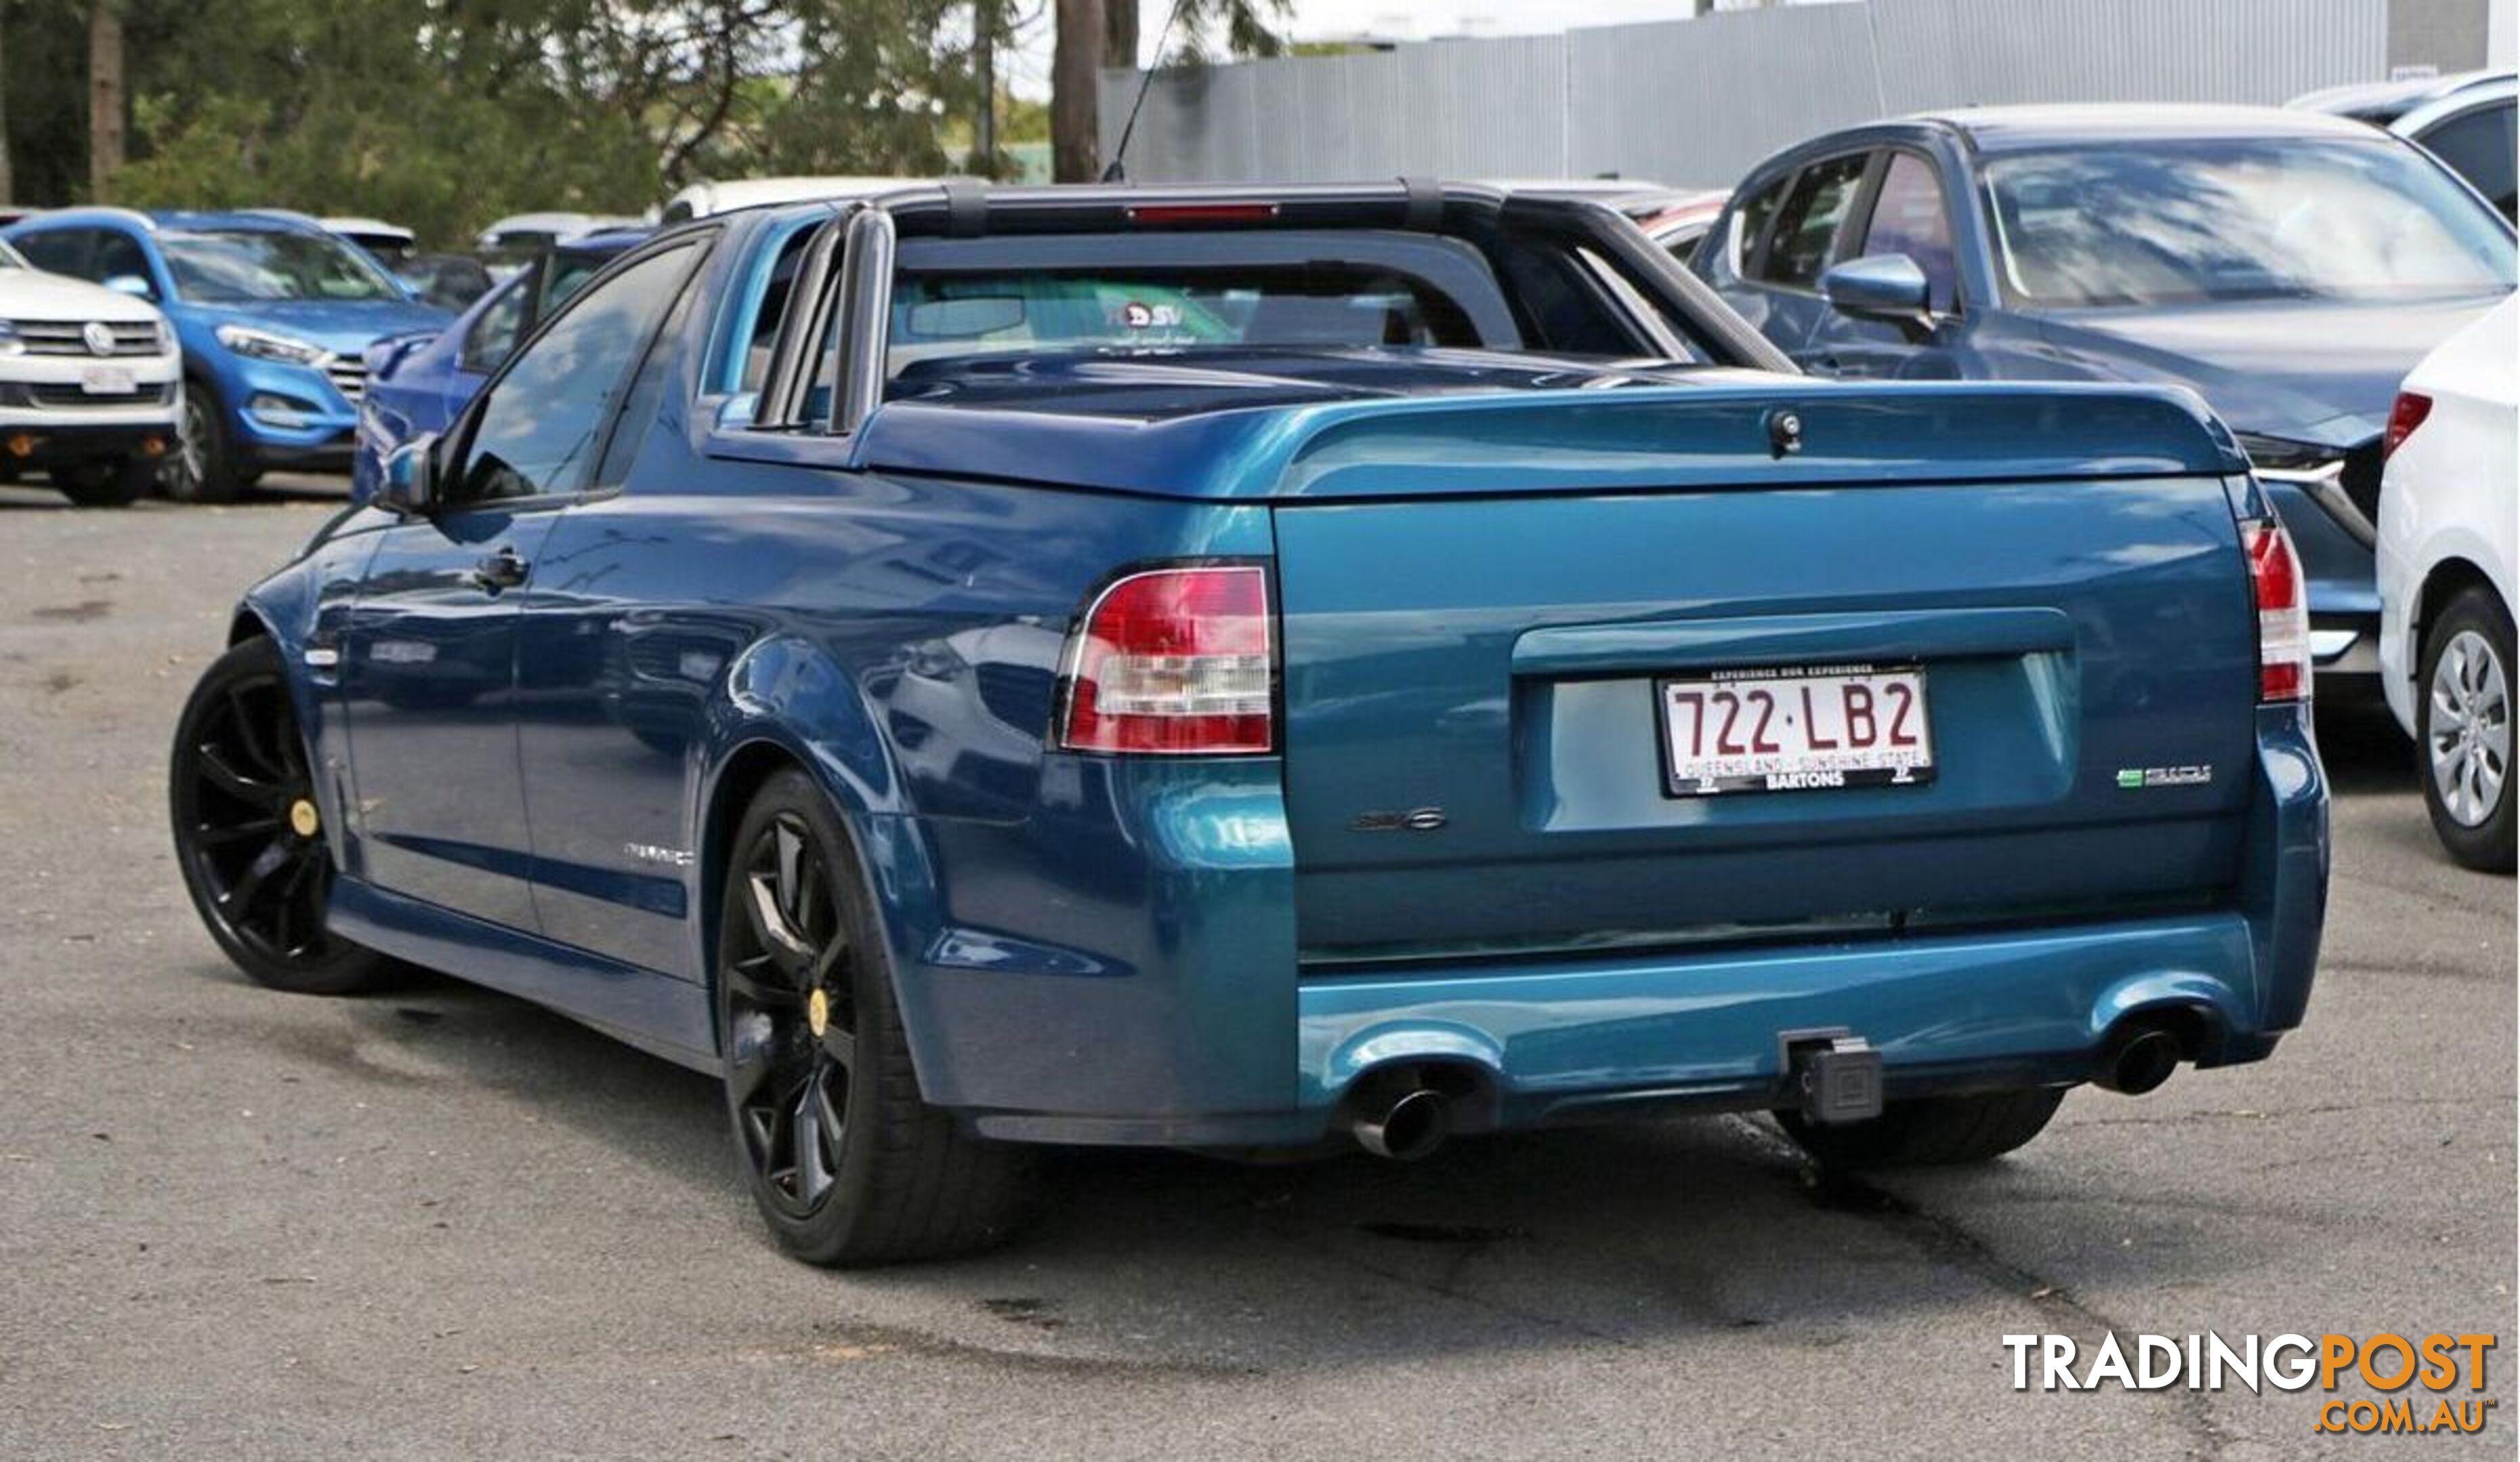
(859, 287)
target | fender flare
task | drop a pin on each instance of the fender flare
(784, 701)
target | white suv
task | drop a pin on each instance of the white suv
(2447, 521)
(91, 384)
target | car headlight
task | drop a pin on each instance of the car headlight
(10, 343)
(262, 344)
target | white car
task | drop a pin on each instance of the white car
(390, 243)
(2448, 505)
(516, 240)
(91, 384)
(707, 199)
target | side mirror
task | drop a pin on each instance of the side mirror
(1882, 287)
(132, 285)
(410, 480)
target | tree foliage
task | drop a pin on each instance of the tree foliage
(445, 114)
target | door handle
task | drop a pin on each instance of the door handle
(502, 569)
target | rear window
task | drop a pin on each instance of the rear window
(1034, 312)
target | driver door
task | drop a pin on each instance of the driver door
(428, 650)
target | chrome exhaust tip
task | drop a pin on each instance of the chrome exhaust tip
(2139, 1059)
(1413, 1124)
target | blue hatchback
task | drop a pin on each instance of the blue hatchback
(274, 315)
(417, 381)
(2290, 267)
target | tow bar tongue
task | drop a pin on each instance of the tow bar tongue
(1835, 1078)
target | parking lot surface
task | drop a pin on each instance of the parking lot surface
(442, 1222)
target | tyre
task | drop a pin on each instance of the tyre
(202, 468)
(2464, 729)
(847, 1164)
(1930, 1131)
(115, 483)
(249, 835)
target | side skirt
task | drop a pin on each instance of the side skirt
(656, 1012)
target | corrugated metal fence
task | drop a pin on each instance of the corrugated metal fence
(1697, 102)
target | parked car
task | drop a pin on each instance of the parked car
(1679, 220)
(517, 240)
(453, 282)
(418, 381)
(391, 244)
(2448, 517)
(2467, 121)
(705, 199)
(273, 315)
(90, 384)
(1675, 218)
(2290, 267)
(1213, 668)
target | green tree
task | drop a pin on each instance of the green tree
(445, 114)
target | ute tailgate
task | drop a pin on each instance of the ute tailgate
(1478, 754)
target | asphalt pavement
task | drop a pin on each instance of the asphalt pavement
(444, 1223)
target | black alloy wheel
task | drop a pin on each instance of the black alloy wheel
(847, 1165)
(792, 1017)
(249, 832)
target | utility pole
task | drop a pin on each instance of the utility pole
(104, 97)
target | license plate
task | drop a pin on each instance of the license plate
(1795, 729)
(107, 381)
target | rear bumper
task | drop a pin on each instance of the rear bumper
(1217, 1042)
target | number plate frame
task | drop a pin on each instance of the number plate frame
(1675, 786)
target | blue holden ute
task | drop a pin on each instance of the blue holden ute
(1254, 671)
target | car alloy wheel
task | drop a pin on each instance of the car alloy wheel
(846, 1162)
(2468, 732)
(191, 462)
(248, 827)
(792, 1017)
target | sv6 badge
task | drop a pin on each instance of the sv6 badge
(1416, 820)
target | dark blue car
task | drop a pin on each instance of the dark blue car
(1251, 669)
(2290, 267)
(418, 381)
(274, 313)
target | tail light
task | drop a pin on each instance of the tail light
(1174, 662)
(2403, 418)
(2283, 612)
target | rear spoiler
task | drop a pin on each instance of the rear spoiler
(1743, 434)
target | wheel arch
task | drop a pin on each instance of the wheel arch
(247, 624)
(2445, 582)
(894, 865)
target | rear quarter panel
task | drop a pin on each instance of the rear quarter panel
(900, 636)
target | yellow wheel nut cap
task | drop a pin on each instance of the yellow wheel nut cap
(818, 1013)
(302, 819)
